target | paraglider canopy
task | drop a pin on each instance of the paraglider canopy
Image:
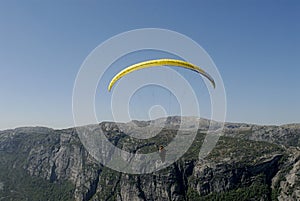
(160, 62)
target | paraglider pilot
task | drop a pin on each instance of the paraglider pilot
(162, 153)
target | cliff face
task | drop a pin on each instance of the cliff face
(249, 163)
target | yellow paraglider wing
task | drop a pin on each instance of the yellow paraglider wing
(160, 62)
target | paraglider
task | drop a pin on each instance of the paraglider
(162, 153)
(160, 62)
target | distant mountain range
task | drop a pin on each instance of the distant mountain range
(250, 162)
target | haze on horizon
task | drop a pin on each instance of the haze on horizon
(254, 44)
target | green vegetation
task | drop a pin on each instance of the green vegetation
(244, 151)
(109, 183)
(16, 183)
(19, 185)
(255, 191)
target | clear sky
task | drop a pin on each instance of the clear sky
(255, 45)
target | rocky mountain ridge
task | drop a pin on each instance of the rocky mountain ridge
(250, 162)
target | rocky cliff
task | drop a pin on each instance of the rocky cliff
(250, 162)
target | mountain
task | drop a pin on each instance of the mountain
(250, 162)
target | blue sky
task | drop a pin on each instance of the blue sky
(255, 45)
